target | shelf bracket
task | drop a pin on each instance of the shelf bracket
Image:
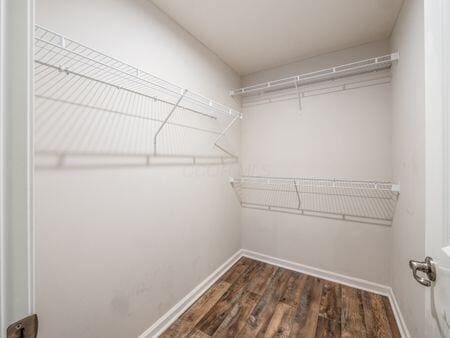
(222, 134)
(224, 131)
(225, 151)
(299, 94)
(298, 195)
(167, 119)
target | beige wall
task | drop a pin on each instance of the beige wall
(340, 57)
(408, 158)
(339, 135)
(116, 247)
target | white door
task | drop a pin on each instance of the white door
(16, 236)
(437, 124)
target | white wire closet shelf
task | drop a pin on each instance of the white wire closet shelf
(89, 102)
(357, 201)
(327, 74)
(348, 83)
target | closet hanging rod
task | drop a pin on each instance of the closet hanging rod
(128, 72)
(332, 73)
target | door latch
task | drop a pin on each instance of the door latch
(427, 267)
(25, 328)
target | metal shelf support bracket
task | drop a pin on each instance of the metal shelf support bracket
(167, 119)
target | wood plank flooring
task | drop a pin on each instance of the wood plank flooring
(255, 299)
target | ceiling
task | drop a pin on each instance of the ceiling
(252, 35)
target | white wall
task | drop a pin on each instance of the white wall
(408, 107)
(117, 247)
(339, 135)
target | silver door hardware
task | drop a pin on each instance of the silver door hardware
(25, 328)
(426, 267)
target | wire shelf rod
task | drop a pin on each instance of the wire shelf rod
(139, 74)
(362, 200)
(317, 74)
(88, 102)
(374, 184)
(100, 69)
(63, 39)
(308, 91)
(244, 177)
(321, 193)
(68, 71)
(360, 67)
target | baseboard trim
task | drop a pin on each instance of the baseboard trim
(398, 315)
(166, 320)
(324, 274)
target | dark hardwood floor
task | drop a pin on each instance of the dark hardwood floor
(255, 299)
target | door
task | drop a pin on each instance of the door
(16, 236)
(437, 124)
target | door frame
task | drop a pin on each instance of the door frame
(437, 148)
(437, 127)
(2, 161)
(17, 269)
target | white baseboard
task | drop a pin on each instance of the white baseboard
(398, 315)
(324, 274)
(165, 321)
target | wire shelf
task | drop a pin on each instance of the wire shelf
(381, 77)
(333, 73)
(358, 201)
(87, 101)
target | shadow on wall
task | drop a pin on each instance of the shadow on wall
(47, 160)
(68, 135)
(84, 123)
(79, 123)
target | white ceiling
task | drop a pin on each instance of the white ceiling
(251, 35)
